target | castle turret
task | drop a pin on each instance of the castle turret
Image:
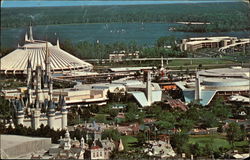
(50, 90)
(29, 73)
(36, 118)
(64, 114)
(20, 113)
(47, 77)
(51, 115)
(149, 88)
(39, 83)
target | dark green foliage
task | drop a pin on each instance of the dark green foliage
(223, 16)
(179, 141)
(5, 109)
(112, 134)
(220, 110)
(233, 132)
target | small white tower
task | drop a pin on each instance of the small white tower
(149, 88)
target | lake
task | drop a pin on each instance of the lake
(142, 33)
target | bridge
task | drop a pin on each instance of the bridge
(243, 43)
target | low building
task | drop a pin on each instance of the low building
(192, 44)
(120, 56)
(215, 82)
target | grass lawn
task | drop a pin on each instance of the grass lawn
(216, 141)
(127, 142)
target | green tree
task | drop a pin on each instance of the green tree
(179, 141)
(111, 133)
(221, 110)
(233, 133)
(209, 119)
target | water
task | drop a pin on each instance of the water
(143, 34)
(95, 3)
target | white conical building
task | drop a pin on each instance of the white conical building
(36, 50)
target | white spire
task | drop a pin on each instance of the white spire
(149, 88)
(57, 43)
(31, 34)
(197, 88)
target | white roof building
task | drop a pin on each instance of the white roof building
(35, 51)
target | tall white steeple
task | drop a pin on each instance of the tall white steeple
(149, 88)
(31, 34)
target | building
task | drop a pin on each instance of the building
(68, 148)
(15, 63)
(37, 105)
(216, 82)
(192, 44)
(120, 56)
(73, 149)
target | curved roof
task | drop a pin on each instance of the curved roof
(35, 50)
(225, 82)
(226, 72)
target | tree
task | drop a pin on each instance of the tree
(111, 133)
(221, 110)
(233, 133)
(186, 124)
(196, 149)
(209, 119)
(113, 113)
(5, 111)
(179, 141)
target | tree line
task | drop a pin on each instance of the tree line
(222, 16)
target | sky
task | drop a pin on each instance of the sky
(11, 3)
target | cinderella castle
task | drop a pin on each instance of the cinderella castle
(36, 106)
